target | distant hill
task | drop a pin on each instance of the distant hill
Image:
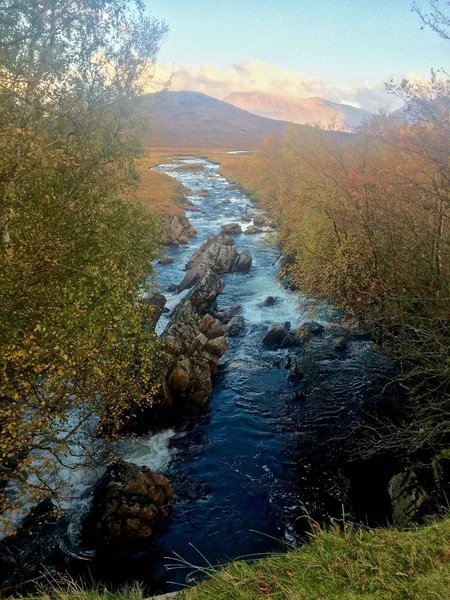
(298, 110)
(194, 120)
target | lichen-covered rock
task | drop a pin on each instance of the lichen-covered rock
(410, 502)
(129, 503)
(178, 230)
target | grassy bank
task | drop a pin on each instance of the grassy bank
(335, 565)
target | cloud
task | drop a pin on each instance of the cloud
(258, 76)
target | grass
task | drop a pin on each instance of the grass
(354, 565)
(349, 564)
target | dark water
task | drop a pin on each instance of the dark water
(249, 467)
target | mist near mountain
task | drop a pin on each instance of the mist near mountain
(299, 110)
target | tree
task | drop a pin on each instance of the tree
(76, 248)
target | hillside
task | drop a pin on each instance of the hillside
(194, 120)
(298, 110)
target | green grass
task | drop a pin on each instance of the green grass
(384, 564)
(356, 565)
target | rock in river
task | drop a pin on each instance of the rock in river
(232, 228)
(218, 254)
(129, 503)
(178, 230)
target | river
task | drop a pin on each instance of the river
(261, 456)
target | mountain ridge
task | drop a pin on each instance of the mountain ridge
(301, 111)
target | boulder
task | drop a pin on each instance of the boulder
(281, 336)
(270, 301)
(308, 330)
(243, 262)
(165, 260)
(247, 218)
(157, 303)
(251, 229)
(276, 335)
(235, 326)
(225, 316)
(218, 254)
(410, 502)
(129, 504)
(259, 220)
(202, 193)
(183, 240)
(177, 230)
(232, 228)
(172, 287)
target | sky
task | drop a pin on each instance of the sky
(343, 50)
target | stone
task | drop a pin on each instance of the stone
(247, 218)
(165, 260)
(270, 301)
(211, 327)
(226, 201)
(157, 303)
(259, 220)
(276, 336)
(410, 502)
(235, 326)
(252, 229)
(129, 504)
(218, 254)
(177, 227)
(172, 288)
(309, 330)
(183, 240)
(232, 228)
(243, 262)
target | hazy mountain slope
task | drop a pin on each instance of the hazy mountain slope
(194, 120)
(298, 110)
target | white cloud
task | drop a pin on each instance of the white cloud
(258, 76)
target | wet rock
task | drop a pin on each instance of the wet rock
(193, 208)
(251, 229)
(157, 302)
(232, 228)
(129, 504)
(247, 218)
(218, 254)
(235, 327)
(202, 193)
(410, 502)
(226, 315)
(259, 220)
(228, 213)
(270, 301)
(177, 227)
(276, 336)
(341, 343)
(172, 288)
(165, 260)
(193, 344)
(183, 240)
(226, 201)
(243, 262)
(211, 327)
(309, 330)
(280, 336)
(299, 396)
(34, 547)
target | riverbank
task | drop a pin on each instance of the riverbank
(342, 563)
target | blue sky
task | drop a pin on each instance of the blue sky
(342, 43)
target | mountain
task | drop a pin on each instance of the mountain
(298, 110)
(195, 120)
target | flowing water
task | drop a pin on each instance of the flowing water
(248, 468)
